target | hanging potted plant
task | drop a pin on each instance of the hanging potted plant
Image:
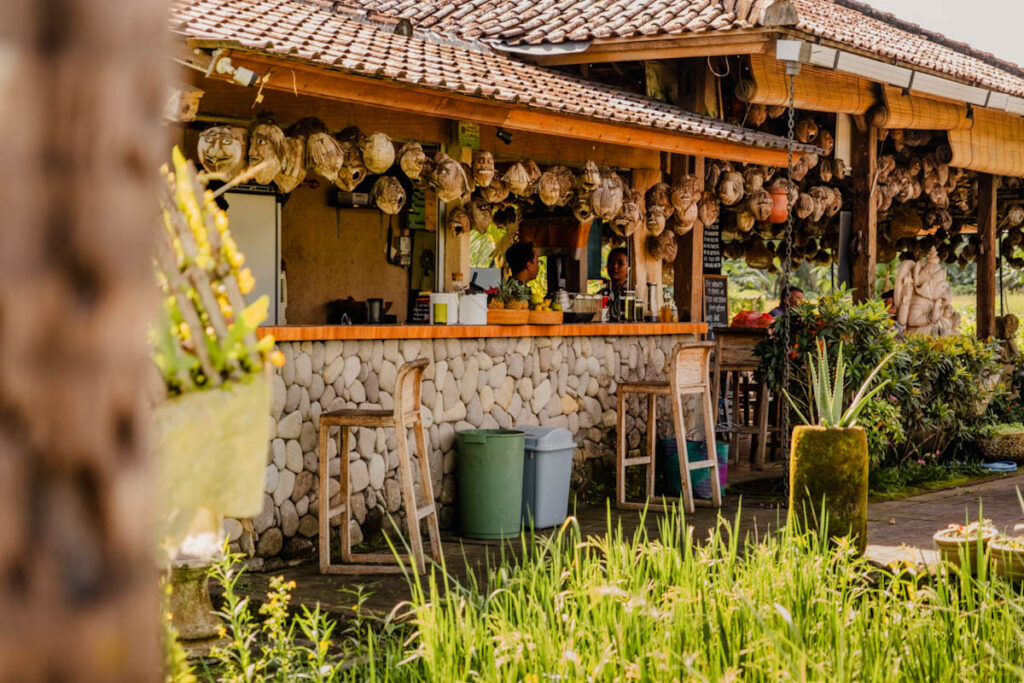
(964, 540)
(828, 465)
(210, 420)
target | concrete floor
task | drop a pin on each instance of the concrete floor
(897, 530)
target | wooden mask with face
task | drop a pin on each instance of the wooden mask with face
(266, 146)
(222, 151)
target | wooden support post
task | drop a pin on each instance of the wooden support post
(689, 264)
(456, 247)
(645, 267)
(864, 245)
(986, 311)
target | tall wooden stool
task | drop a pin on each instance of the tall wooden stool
(688, 374)
(404, 416)
(734, 358)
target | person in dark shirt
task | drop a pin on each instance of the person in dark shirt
(522, 263)
(792, 297)
(618, 278)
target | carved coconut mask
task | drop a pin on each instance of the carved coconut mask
(483, 169)
(222, 151)
(352, 171)
(325, 155)
(412, 159)
(266, 146)
(388, 194)
(293, 170)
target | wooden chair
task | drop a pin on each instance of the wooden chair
(404, 416)
(688, 374)
(735, 361)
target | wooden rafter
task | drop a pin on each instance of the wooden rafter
(672, 47)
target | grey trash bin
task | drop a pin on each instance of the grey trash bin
(546, 473)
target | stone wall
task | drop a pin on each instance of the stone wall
(488, 383)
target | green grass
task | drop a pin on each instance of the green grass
(616, 607)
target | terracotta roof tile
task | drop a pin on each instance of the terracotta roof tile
(847, 22)
(321, 35)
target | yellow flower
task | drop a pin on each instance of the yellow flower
(246, 281)
(277, 358)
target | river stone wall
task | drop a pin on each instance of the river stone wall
(488, 383)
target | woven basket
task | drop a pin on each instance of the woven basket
(504, 316)
(545, 317)
(1007, 562)
(1008, 446)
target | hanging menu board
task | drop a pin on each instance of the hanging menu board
(713, 249)
(716, 302)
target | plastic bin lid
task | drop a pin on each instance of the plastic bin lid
(543, 439)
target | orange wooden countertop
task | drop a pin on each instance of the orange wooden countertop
(336, 332)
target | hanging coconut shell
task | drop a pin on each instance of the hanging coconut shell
(412, 160)
(836, 204)
(631, 218)
(804, 206)
(944, 154)
(556, 186)
(822, 197)
(902, 184)
(1014, 216)
(904, 223)
(608, 197)
(939, 197)
(730, 188)
(352, 171)
(733, 250)
(687, 219)
(708, 209)
(494, 193)
(266, 150)
(886, 165)
(388, 195)
(792, 192)
(659, 195)
(801, 167)
(448, 178)
(480, 215)
(378, 152)
(656, 219)
(825, 140)
(896, 136)
(806, 130)
(678, 227)
(753, 179)
(760, 205)
(590, 177)
(825, 172)
(324, 155)
(745, 221)
(517, 179)
(939, 219)
(685, 193)
(757, 114)
(582, 209)
(483, 168)
(758, 255)
(664, 246)
(823, 257)
(775, 111)
(458, 221)
(293, 167)
(712, 174)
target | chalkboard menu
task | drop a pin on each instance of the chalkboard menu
(716, 302)
(713, 249)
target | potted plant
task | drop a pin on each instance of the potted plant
(828, 465)
(210, 419)
(964, 540)
(1008, 552)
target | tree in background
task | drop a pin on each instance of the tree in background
(82, 84)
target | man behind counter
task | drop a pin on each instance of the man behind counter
(618, 278)
(522, 263)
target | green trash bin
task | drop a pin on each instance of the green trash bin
(490, 471)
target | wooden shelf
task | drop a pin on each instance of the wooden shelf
(372, 332)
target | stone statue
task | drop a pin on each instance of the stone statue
(923, 297)
(222, 151)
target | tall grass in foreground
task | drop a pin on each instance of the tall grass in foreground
(614, 608)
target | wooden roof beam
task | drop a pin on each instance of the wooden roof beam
(676, 47)
(292, 76)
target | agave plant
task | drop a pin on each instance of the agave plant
(828, 392)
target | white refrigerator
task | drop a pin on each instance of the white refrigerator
(254, 219)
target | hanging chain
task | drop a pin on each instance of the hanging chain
(787, 263)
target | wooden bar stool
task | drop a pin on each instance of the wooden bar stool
(736, 360)
(404, 416)
(688, 374)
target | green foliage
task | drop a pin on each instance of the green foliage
(938, 388)
(829, 392)
(176, 666)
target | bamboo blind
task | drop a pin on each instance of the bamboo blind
(921, 113)
(813, 88)
(994, 144)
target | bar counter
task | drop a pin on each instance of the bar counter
(371, 332)
(487, 376)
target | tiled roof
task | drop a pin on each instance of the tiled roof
(316, 33)
(848, 22)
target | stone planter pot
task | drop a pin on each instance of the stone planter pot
(952, 542)
(1007, 558)
(211, 453)
(831, 465)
